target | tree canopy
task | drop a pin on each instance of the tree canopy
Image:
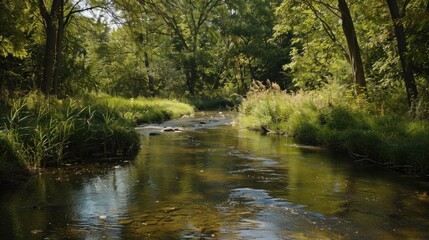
(214, 47)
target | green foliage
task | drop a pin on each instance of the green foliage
(341, 123)
(253, 53)
(16, 24)
(318, 47)
(212, 103)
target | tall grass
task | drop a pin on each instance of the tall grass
(43, 131)
(331, 118)
(146, 110)
(40, 131)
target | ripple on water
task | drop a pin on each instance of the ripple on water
(275, 218)
(265, 161)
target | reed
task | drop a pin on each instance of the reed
(45, 131)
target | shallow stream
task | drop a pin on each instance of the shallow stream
(209, 179)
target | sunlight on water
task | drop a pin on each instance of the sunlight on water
(211, 180)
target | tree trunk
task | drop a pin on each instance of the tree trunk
(407, 71)
(243, 78)
(49, 58)
(191, 76)
(149, 75)
(353, 47)
(50, 19)
(58, 49)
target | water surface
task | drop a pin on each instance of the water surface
(213, 180)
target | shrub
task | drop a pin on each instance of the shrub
(212, 103)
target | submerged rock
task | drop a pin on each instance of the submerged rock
(168, 129)
(169, 209)
(154, 134)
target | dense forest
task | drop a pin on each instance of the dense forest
(213, 47)
(357, 65)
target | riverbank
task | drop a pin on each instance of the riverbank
(247, 186)
(343, 124)
(39, 132)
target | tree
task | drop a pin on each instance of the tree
(307, 19)
(407, 71)
(353, 47)
(253, 53)
(56, 18)
(187, 22)
(50, 18)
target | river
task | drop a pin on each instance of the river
(213, 180)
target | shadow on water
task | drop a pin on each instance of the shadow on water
(211, 180)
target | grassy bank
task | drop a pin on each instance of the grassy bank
(334, 120)
(145, 110)
(38, 132)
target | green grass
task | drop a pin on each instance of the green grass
(42, 132)
(338, 122)
(146, 110)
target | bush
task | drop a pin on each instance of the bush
(211, 103)
(341, 118)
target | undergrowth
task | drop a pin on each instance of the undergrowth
(330, 117)
(214, 103)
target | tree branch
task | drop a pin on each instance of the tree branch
(332, 9)
(327, 29)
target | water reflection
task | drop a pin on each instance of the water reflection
(218, 183)
(100, 205)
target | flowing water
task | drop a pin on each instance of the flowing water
(212, 180)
